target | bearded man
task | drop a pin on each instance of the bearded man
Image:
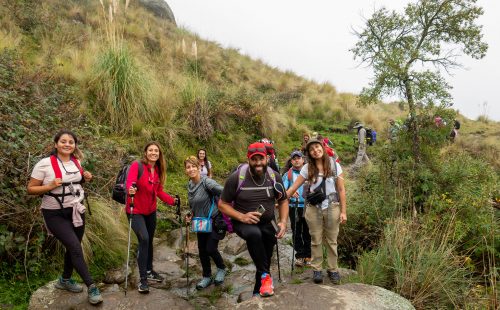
(249, 197)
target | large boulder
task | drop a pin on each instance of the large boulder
(233, 245)
(354, 296)
(159, 8)
(49, 297)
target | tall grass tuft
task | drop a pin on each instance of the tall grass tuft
(123, 92)
(417, 264)
(194, 96)
(105, 238)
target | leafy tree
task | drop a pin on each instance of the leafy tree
(408, 52)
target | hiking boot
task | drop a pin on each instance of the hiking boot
(219, 276)
(307, 261)
(266, 285)
(299, 262)
(317, 277)
(334, 277)
(94, 295)
(69, 285)
(143, 287)
(204, 283)
(154, 276)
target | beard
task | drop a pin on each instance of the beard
(256, 171)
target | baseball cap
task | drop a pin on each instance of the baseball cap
(296, 153)
(256, 148)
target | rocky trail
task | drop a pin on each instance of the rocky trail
(297, 292)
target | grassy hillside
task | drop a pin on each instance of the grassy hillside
(123, 78)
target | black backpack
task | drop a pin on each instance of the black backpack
(457, 124)
(371, 136)
(120, 190)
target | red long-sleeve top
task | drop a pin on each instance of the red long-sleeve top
(148, 188)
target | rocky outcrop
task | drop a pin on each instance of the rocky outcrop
(294, 291)
(354, 296)
(159, 8)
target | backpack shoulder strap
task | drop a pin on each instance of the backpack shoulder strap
(290, 177)
(242, 172)
(55, 166)
(140, 170)
(77, 164)
(333, 163)
(271, 174)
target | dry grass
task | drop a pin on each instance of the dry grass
(9, 39)
(419, 265)
(106, 230)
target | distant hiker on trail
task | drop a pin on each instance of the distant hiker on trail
(393, 130)
(58, 178)
(202, 192)
(325, 207)
(253, 189)
(325, 140)
(205, 164)
(146, 189)
(272, 160)
(454, 131)
(300, 230)
(361, 157)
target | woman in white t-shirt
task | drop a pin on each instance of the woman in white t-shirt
(328, 212)
(205, 165)
(58, 178)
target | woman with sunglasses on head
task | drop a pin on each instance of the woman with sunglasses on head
(325, 206)
(201, 196)
(58, 178)
(204, 163)
(145, 184)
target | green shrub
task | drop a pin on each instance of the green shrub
(419, 264)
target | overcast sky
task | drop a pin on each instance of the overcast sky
(313, 38)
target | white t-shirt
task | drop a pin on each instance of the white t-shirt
(329, 183)
(204, 170)
(43, 171)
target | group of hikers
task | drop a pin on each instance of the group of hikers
(309, 191)
(246, 204)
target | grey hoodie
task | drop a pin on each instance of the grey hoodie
(200, 196)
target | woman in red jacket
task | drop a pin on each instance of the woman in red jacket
(146, 189)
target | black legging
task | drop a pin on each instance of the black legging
(60, 224)
(301, 236)
(144, 227)
(260, 240)
(207, 247)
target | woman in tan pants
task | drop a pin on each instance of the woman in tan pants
(325, 208)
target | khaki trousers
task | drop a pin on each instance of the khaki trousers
(324, 230)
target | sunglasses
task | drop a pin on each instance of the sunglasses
(257, 149)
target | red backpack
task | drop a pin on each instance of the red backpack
(66, 185)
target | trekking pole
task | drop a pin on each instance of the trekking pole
(179, 216)
(187, 260)
(294, 236)
(276, 227)
(128, 245)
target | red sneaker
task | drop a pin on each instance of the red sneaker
(266, 285)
